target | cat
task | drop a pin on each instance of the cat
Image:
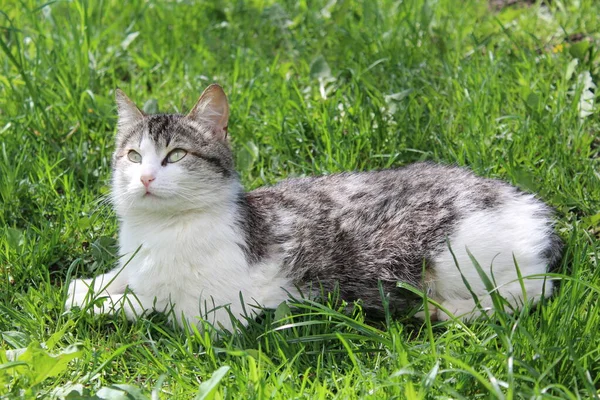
(192, 241)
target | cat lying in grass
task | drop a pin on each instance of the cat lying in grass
(192, 240)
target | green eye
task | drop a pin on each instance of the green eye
(134, 156)
(176, 155)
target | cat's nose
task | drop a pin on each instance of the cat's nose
(146, 179)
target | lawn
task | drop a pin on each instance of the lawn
(315, 87)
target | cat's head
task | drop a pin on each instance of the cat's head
(169, 163)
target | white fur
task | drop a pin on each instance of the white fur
(494, 237)
(187, 261)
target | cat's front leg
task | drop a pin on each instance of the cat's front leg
(113, 282)
(108, 294)
(83, 292)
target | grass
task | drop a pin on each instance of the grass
(315, 87)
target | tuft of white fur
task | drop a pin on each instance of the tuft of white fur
(517, 231)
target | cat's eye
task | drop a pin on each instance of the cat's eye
(176, 155)
(134, 156)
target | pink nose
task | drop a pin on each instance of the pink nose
(146, 179)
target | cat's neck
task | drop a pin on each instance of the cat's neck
(203, 239)
(221, 209)
(238, 223)
(217, 215)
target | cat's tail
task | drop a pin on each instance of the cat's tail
(554, 252)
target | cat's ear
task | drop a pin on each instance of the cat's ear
(129, 113)
(212, 109)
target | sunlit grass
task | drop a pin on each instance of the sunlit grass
(314, 88)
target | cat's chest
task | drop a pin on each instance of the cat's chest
(187, 251)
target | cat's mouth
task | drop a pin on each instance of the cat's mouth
(151, 194)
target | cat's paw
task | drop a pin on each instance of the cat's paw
(81, 294)
(105, 303)
(74, 299)
(433, 313)
(94, 304)
(77, 294)
(79, 286)
(462, 309)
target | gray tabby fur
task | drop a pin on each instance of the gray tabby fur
(357, 229)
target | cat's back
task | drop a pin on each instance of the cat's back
(396, 216)
(421, 185)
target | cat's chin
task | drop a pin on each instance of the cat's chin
(160, 206)
(157, 201)
(149, 197)
(152, 195)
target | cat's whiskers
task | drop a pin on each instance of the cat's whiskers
(105, 199)
(187, 194)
